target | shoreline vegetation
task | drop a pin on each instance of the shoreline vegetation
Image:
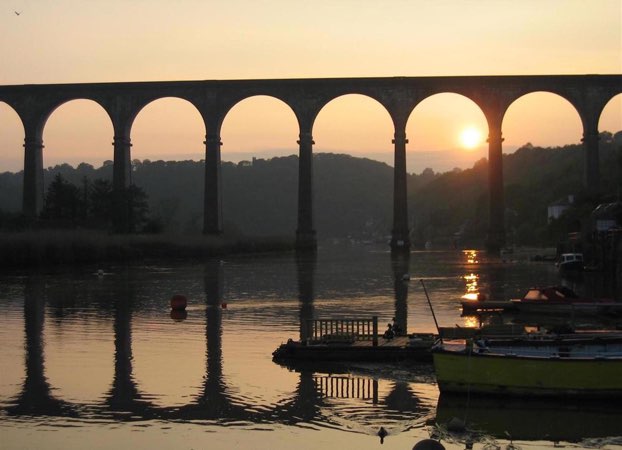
(26, 249)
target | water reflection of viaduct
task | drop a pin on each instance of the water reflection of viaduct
(306, 97)
(125, 402)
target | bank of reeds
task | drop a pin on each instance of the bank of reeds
(50, 247)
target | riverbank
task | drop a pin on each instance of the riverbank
(50, 247)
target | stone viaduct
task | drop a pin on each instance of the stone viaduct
(306, 97)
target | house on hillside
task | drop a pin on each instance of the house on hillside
(556, 209)
(607, 216)
(607, 235)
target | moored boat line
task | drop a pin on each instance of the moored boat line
(589, 366)
(544, 300)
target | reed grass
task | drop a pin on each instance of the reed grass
(51, 247)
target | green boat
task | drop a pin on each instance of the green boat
(544, 366)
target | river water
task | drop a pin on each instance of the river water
(92, 356)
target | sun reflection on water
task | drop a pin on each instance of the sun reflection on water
(471, 256)
(471, 321)
(471, 283)
(472, 287)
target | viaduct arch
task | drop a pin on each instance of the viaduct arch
(306, 97)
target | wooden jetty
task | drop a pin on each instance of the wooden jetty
(344, 340)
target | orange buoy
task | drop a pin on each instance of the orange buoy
(178, 302)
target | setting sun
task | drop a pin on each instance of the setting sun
(470, 137)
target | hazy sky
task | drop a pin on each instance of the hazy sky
(71, 41)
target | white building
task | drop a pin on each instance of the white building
(556, 209)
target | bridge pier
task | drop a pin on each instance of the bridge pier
(400, 239)
(305, 234)
(33, 195)
(122, 166)
(121, 180)
(495, 239)
(591, 171)
(212, 208)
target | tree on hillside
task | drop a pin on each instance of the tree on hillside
(97, 205)
(100, 207)
(138, 206)
(62, 201)
(130, 209)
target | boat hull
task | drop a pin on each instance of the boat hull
(610, 309)
(574, 266)
(533, 376)
(557, 300)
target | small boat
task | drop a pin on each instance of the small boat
(563, 300)
(473, 303)
(541, 365)
(570, 262)
(545, 300)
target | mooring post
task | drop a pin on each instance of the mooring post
(374, 321)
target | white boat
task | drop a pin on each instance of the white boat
(570, 262)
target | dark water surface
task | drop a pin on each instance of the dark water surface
(96, 360)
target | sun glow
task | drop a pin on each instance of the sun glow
(470, 138)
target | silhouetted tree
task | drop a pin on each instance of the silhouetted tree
(84, 198)
(62, 201)
(131, 209)
(100, 196)
(138, 207)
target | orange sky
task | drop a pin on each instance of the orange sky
(64, 41)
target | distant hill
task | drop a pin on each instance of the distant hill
(353, 196)
(534, 177)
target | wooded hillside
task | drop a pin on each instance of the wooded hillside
(353, 196)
